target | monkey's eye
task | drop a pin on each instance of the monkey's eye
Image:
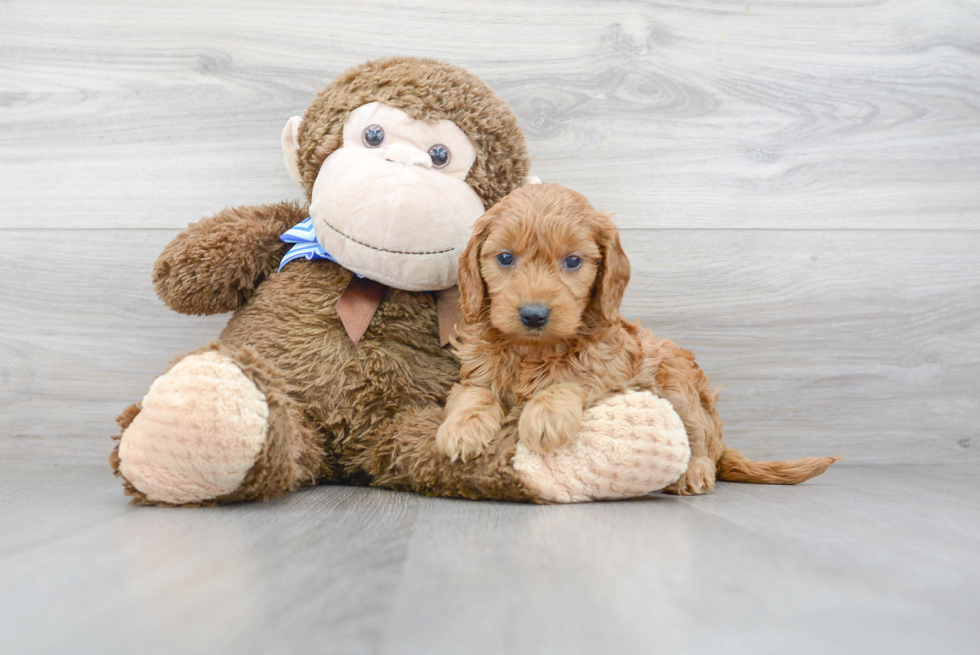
(440, 155)
(573, 262)
(505, 259)
(374, 135)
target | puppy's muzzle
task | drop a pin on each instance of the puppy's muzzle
(534, 315)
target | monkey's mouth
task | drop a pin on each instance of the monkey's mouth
(404, 228)
(379, 249)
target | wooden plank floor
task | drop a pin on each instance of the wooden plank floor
(866, 559)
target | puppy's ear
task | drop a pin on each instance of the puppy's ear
(614, 270)
(472, 290)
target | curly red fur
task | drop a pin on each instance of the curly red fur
(585, 349)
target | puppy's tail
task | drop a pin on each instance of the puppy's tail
(736, 467)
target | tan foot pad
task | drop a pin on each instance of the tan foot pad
(201, 427)
(630, 445)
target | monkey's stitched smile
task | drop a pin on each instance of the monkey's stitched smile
(395, 252)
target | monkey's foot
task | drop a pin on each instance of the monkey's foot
(630, 444)
(200, 429)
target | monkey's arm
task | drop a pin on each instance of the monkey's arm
(215, 264)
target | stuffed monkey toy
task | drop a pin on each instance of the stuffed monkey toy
(333, 367)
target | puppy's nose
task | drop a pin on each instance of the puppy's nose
(534, 316)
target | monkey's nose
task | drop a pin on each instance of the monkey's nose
(403, 154)
(534, 316)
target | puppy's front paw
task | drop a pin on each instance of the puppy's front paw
(551, 419)
(465, 437)
(699, 478)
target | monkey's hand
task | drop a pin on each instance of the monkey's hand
(473, 418)
(552, 417)
(215, 264)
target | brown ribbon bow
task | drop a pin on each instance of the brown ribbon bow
(359, 303)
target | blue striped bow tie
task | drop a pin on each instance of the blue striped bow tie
(303, 235)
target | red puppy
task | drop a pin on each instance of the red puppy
(541, 282)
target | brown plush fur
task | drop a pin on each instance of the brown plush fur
(363, 414)
(194, 274)
(426, 90)
(405, 457)
(583, 350)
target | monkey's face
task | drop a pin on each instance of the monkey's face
(392, 203)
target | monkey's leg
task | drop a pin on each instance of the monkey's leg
(217, 427)
(631, 443)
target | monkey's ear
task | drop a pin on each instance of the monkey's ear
(290, 147)
(614, 273)
(472, 290)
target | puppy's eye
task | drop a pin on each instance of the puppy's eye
(505, 259)
(440, 155)
(374, 135)
(573, 262)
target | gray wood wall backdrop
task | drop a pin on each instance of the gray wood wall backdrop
(798, 185)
